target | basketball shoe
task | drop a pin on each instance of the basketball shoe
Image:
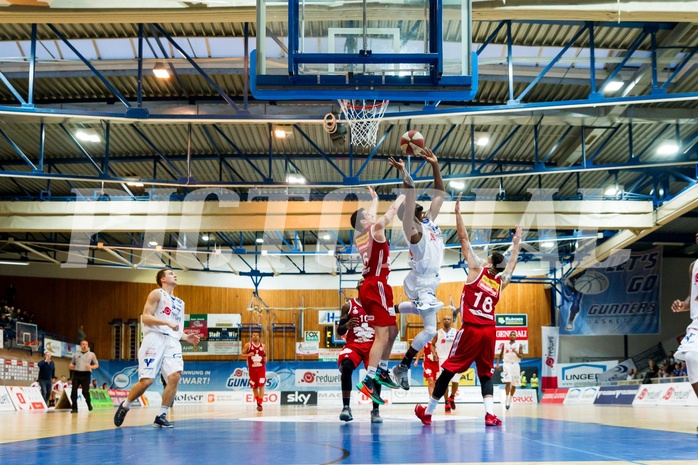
(346, 414)
(428, 301)
(383, 377)
(421, 413)
(161, 422)
(369, 390)
(452, 401)
(492, 420)
(400, 373)
(376, 416)
(120, 414)
(447, 407)
(508, 402)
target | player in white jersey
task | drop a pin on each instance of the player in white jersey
(688, 350)
(510, 354)
(444, 341)
(426, 244)
(160, 351)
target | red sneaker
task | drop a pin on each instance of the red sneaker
(492, 420)
(421, 413)
(259, 407)
(452, 401)
(447, 407)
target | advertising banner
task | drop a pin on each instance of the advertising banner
(551, 343)
(307, 349)
(649, 394)
(505, 324)
(26, 398)
(523, 396)
(620, 299)
(302, 398)
(585, 395)
(53, 346)
(554, 396)
(617, 373)
(6, 404)
(100, 398)
(678, 394)
(616, 395)
(219, 334)
(576, 374)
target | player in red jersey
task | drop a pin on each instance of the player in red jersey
(256, 360)
(476, 338)
(431, 365)
(354, 322)
(376, 293)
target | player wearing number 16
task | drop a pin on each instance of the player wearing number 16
(476, 339)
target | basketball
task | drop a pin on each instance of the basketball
(591, 283)
(411, 143)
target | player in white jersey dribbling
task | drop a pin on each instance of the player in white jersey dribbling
(510, 355)
(688, 350)
(160, 351)
(426, 244)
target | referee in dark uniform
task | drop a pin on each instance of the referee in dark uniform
(82, 364)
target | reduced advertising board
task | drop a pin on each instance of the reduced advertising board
(616, 395)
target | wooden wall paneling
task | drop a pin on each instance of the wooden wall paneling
(60, 305)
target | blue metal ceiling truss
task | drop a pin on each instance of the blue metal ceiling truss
(649, 173)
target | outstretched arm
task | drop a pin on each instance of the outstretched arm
(474, 262)
(383, 221)
(373, 209)
(511, 264)
(439, 188)
(412, 234)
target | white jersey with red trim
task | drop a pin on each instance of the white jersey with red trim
(426, 256)
(511, 352)
(169, 308)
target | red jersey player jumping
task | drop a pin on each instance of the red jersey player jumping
(476, 339)
(256, 364)
(376, 293)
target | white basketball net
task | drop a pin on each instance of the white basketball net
(363, 117)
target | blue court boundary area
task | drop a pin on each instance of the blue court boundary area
(398, 440)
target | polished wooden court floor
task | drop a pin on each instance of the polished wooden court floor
(531, 434)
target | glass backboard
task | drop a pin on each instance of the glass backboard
(413, 50)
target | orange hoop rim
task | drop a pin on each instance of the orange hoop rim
(363, 107)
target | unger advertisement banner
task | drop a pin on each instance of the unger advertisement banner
(619, 299)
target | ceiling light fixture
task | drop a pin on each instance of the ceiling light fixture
(259, 240)
(88, 135)
(205, 237)
(457, 185)
(160, 71)
(668, 148)
(481, 141)
(294, 178)
(611, 191)
(153, 243)
(3, 262)
(613, 86)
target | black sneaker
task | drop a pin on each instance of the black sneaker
(89, 407)
(161, 422)
(383, 377)
(346, 414)
(74, 410)
(120, 414)
(366, 386)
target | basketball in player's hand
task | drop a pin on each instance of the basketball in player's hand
(412, 143)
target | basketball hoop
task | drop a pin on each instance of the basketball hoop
(363, 117)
